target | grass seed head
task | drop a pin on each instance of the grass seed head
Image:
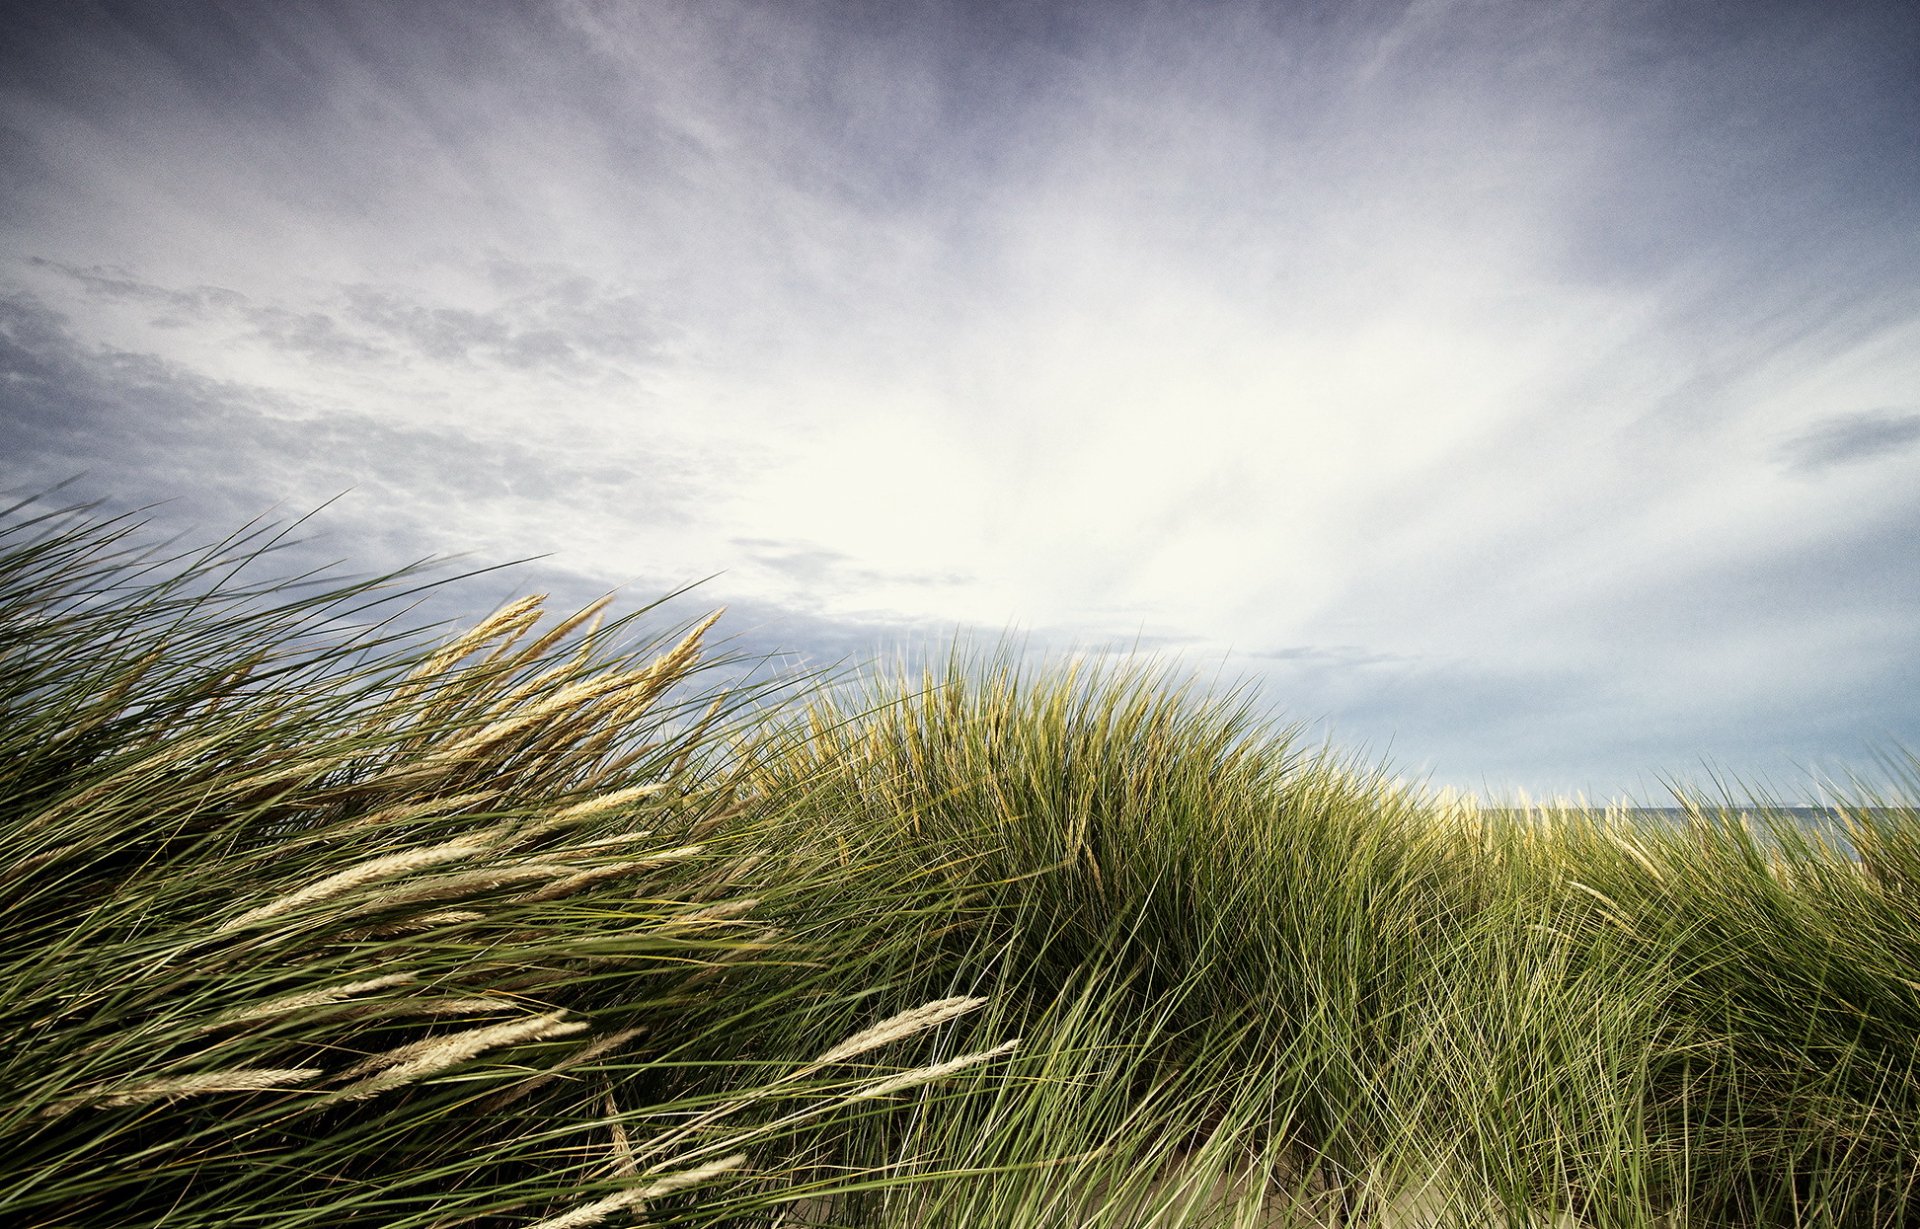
(925, 1075)
(599, 1210)
(322, 997)
(239, 1079)
(389, 866)
(418, 1060)
(906, 1024)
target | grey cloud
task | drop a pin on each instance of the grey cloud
(538, 348)
(119, 285)
(555, 320)
(35, 347)
(145, 430)
(1790, 655)
(911, 578)
(551, 319)
(808, 563)
(1339, 655)
(313, 333)
(437, 332)
(1846, 439)
(796, 561)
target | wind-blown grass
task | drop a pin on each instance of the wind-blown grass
(307, 919)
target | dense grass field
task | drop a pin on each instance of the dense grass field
(309, 919)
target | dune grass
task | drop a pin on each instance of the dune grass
(307, 918)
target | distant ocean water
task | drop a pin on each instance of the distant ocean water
(1827, 822)
(1812, 816)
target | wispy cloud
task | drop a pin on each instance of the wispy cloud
(1849, 438)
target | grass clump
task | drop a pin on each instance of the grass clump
(310, 920)
(307, 920)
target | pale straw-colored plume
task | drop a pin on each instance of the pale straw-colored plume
(893, 1028)
(1639, 855)
(508, 720)
(714, 913)
(25, 867)
(581, 811)
(682, 655)
(465, 883)
(568, 698)
(585, 1054)
(389, 866)
(512, 619)
(560, 630)
(482, 683)
(415, 810)
(470, 1006)
(415, 924)
(292, 772)
(641, 687)
(417, 1060)
(127, 778)
(581, 880)
(322, 997)
(238, 1079)
(437, 678)
(575, 696)
(612, 870)
(599, 1210)
(925, 1075)
(540, 684)
(624, 1164)
(610, 801)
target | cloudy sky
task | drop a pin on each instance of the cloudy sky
(1523, 392)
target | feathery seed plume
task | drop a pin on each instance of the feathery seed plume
(511, 617)
(605, 802)
(559, 632)
(414, 810)
(417, 1060)
(597, 1211)
(471, 1006)
(713, 913)
(388, 866)
(926, 1075)
(238, 1079)
(905, 1024)
(26, 866)
(1640, 856)
(311, 998)
(465, 883)
(608, 842)
(613, 870)
(585, 1054)
(624, 1164)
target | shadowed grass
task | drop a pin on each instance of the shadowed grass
(307, 919)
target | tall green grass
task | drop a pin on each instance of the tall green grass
(309, 919)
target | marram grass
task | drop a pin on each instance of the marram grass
(307, 919)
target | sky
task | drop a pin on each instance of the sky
(1520, 394)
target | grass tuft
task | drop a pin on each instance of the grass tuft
(310, 919)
